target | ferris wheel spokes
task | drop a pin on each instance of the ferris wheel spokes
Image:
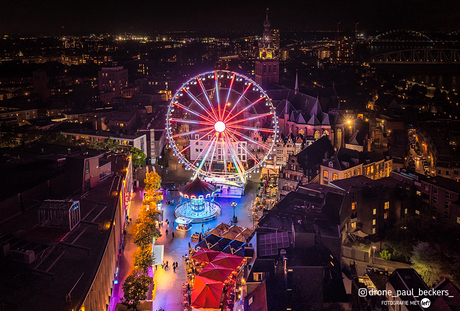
(192, 132)
(252, 128)
(197, 140)
(248, 138)
(205, 157)
(189, 121)
(239, 169)
(243, 110)
(213, 151)
(193, 112)
(199, 104)
(239, 99)
(242, 146)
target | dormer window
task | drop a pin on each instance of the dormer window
(331, 164)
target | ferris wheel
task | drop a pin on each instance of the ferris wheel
(221, 124)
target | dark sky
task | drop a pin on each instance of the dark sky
(148, 16)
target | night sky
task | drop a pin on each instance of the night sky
(97, 16)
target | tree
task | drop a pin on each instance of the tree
(135, 289)
(144, 231)
(152, 183)
(143, 257)
(426, 261)
(138, 157)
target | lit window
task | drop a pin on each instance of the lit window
(373, 230)
(335, 177)
(372, 169)
(353, 205)
(374, 221)
(385, 216)
(387, 205)
(405, 211)
(374, 211)
(458, 220)
(353, 224)
(417, 212)
(326, 174)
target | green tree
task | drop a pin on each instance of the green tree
(138, 157)
(144, 231)
(110, 144)
(144, 258)
(135, 289)
(385, 255)
(426, 261)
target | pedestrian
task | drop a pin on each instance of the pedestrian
(166, 232)
(174, 268)
(172, 234)
(156, 267)
(166, 264)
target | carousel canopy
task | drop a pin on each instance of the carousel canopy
(197, 188)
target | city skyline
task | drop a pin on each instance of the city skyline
(70, 17)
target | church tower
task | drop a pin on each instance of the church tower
(267, 63)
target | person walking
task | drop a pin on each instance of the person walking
(166, 232)
(172, 233)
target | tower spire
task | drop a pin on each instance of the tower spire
(296, 88)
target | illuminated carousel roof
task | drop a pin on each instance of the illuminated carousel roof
(197, 188)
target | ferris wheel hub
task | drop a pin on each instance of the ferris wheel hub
(219, 126)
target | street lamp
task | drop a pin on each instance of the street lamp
(235, 219)
(373, 254)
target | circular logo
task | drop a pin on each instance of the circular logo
(362, 292)
(425, 303)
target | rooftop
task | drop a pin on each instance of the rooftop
(66, 261)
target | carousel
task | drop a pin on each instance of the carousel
(197, 202)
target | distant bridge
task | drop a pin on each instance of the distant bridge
(418, 56)
(401, 36)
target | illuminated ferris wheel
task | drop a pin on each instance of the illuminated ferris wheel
(222, 125)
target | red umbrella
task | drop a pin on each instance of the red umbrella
(206, 293)
(205, 255)
(228, 260)
(216, 272)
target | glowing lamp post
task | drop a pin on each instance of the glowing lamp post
(235, 219)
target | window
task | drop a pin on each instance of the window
(455, 172)
(446, 214)
(372, 169)
(435, 201)
(458, 220)
(197, 136)
(373, 230)
(448, 195)
(374, 221)
(353, 224)
(385, 216)
(374, 211)
(447, 204)
(335, 177)
(196, 150)
(353, 206)
(87, 167)
(417, 212)
(427, 188)
(418, 193)
(279, 151)
(387, 205)
(405, 211)
(447, 173)
(435, 190)
(326, 174)
(439, 172)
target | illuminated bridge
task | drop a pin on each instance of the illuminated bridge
(418, 56)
